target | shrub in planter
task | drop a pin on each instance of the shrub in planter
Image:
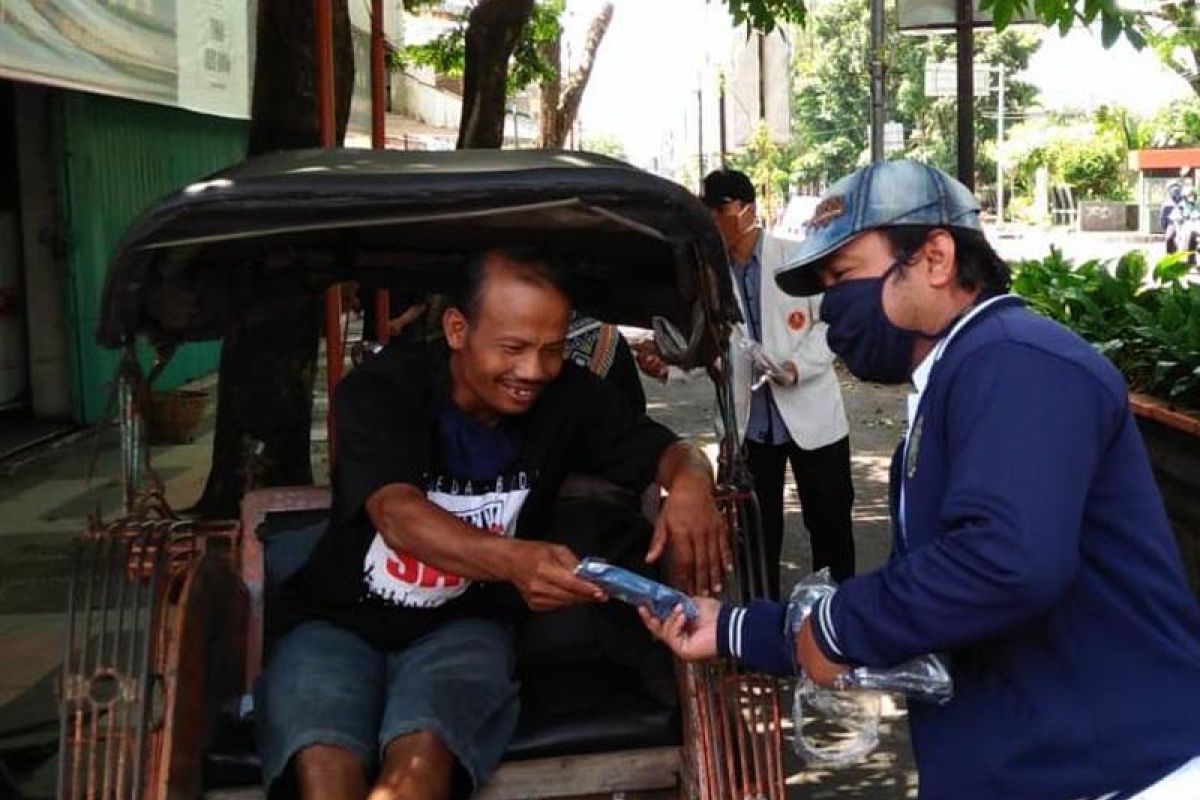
(1147, 322)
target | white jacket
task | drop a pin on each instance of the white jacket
(792, 330)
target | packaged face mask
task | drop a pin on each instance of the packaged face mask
(637, 590)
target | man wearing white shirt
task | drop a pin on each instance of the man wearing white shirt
(796, 415)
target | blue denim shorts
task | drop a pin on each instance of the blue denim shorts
(326, 685)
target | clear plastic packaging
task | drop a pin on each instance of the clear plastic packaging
(636, 589)
(763, 368)
(840, 726)
(834, 728)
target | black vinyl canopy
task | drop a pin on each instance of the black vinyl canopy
(635, 247)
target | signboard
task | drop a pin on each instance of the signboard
(759, 88)
(941, 79)
(927, 16)
(187, 53)
(893, 137)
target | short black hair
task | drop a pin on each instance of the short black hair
(535, 266)
(724, 185)
(979, 266)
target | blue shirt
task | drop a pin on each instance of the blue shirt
(1037, 555)
(765, 425)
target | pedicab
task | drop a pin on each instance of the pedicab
(169, 618)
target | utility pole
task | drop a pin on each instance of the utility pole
(721, 113)
(762, 78)
(878, 101)
(1000, 148)
(700, 134)
(965, 36)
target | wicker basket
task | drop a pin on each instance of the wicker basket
(175, 415)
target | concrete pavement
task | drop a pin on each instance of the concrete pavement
(1017, 242)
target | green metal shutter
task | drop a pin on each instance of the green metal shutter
(119, 156)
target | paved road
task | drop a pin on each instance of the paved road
(1017, 242)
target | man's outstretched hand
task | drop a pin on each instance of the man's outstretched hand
(694, 641)
(690, 526)
(544, 574)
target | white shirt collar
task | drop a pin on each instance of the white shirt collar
(920, 375)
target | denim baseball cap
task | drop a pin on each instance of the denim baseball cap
(884, 195)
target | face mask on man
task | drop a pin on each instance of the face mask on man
(861, 334)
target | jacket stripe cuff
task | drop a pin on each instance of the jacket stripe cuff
(726, 630)
(824, 632)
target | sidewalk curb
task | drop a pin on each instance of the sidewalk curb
(43, 451)
(55, 445)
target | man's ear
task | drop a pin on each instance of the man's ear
(940, 259)
(454, 327)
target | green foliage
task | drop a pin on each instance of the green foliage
(1120, 124)
(1094, 168)
(1175, 125)
(1171, 29)
(832, 93)
(767, 166)
(1090, 157)
(446, 53)
(607, 146)
(529, 65)
(1147, 323)
(932, 122)
(831, 85)
(764, 15)
(1064, 14)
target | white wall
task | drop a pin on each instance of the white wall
(422, 100)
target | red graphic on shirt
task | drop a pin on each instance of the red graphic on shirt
(409, 570)
(796, 320)
(401, 578)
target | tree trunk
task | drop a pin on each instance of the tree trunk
(268, 360)
(560, 100)
(493, 29)
(551, 94)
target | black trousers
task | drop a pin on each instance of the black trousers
(826, 498)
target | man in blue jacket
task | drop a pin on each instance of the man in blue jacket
(1031, 545)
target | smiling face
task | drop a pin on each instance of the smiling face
(509, 345)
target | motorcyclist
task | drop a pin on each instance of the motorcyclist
(1171, 215)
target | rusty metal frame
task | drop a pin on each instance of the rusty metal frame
(132, 581)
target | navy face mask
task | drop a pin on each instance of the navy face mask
(861, 334)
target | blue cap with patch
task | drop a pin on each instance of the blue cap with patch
(884, 195)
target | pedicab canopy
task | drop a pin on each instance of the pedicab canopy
(635, 247)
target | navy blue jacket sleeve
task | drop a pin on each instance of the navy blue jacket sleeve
(1024, 432)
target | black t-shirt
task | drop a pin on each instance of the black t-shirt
(397, 424)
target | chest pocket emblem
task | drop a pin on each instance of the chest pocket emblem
(914, 448)
(796, 320)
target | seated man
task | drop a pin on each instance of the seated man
(448, 461)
